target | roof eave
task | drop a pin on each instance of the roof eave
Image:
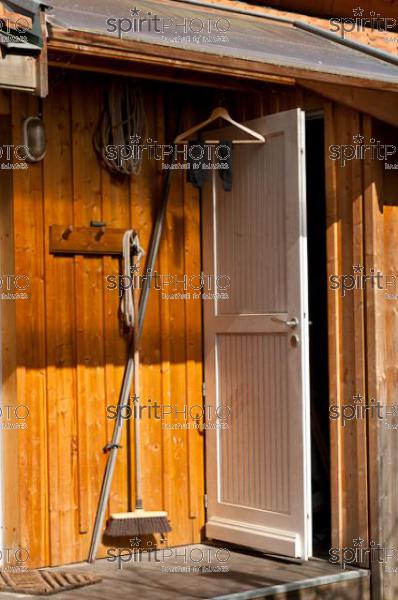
(79, 43)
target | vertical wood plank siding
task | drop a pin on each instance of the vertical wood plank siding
(69, 353)
(68, 359)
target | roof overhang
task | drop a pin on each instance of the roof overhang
(128, 56)
(257, 49)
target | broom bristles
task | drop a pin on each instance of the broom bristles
(136, 524)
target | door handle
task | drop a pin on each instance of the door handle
(292, 323)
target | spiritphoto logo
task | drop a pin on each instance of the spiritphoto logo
(360, 22)
(14, 559)
(13, 156)
(193, 416)
(172, 286)
(14, 417)
(171, 29)
(361, 408)
(359, 150)
(14, 287)
(360, 552)
(175, 156)
(359, 280)
(9, 27)
(191, 559)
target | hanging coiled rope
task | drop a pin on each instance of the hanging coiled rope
(121, 127)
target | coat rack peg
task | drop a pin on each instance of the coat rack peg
(67, 232)
(100, 233)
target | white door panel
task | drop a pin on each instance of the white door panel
(258, 470)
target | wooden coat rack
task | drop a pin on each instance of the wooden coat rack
(95, 240)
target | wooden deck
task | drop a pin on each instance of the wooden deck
(166, 576)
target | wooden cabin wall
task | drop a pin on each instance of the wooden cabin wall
(68, 360)
(362, 231)
(381, 239)
(69, 355)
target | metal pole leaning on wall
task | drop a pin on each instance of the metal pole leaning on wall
(129, 369)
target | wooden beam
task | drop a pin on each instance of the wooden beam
(334, 328)
(346, 336)
(42, 62)
(376, 103)
(8, 359)
(376, 367)
(88, 57)
(98, 64)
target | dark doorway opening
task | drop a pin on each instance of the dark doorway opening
(319, 374)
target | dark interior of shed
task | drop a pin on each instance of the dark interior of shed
(319, 380)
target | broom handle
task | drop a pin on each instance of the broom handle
(128, 373)
(137, 417)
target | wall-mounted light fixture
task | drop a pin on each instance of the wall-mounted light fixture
(34, 138)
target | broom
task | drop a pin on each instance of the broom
(139, 522)
(128, 372)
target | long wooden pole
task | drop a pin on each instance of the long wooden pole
(128, 372)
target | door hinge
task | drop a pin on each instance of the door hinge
(204, 389)
(205, 500)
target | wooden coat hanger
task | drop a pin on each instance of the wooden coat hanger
(221, 113)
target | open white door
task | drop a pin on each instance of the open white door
(256, 343)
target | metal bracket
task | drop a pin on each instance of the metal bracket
(110, 447)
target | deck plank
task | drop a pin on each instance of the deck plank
(148, 579)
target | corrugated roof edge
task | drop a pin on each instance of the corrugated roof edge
(58, 42)
(374, 52)
(384, 56)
